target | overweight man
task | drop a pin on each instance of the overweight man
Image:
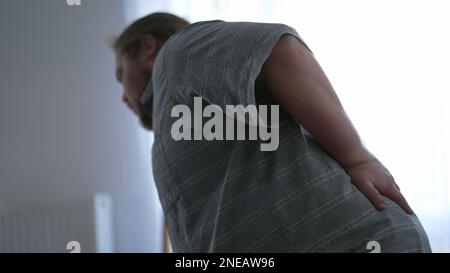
(253, 151)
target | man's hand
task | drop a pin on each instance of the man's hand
(294, 78)
(374, 180)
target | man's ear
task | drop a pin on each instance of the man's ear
(149, 48)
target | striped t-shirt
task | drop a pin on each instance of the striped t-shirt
(228, 195)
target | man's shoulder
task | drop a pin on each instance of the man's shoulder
(220, 32)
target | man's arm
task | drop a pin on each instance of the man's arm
(293, 76)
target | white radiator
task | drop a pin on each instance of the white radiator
(75, 227)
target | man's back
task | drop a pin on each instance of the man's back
(228, 195)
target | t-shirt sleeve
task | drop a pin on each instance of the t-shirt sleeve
(220, 61)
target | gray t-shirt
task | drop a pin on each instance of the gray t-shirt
(229, 196)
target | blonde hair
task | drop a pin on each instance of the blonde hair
(160, 25)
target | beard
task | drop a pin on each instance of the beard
(145, 107)
(145, 119)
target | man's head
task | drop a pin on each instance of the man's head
(136, 49)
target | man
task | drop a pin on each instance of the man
(319, 190)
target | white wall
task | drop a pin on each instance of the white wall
(64, 133)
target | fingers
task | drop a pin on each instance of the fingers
(396, 196)
(374, 196)
(392, 191)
